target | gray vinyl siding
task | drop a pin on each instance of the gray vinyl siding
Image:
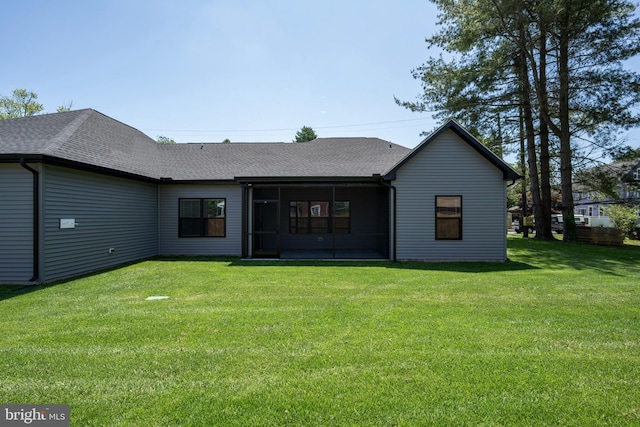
(448, 166)
(172, 244)
(110, 212)
(16, 223)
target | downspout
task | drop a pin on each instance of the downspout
(36, 220)
(393, 190)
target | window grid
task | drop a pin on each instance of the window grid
(202, 217)
(319, 217)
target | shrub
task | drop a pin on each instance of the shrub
(624, 218)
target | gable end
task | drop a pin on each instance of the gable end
(507, 172)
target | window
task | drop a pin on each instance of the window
(318, 217)
(202, 218)
(636, 174)
(448, 217)
(341, 217)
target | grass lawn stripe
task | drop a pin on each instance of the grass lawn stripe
(551, 337)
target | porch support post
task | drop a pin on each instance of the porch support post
(249, 221)
(333, 234)
(278, 228)
(392, 220)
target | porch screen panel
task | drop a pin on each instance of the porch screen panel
(298, 217)
(341, 217)
(319, 213)
(319, 217)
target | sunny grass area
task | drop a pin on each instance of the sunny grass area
(551, 338)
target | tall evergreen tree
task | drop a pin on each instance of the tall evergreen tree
(305, 134)
(500, 64)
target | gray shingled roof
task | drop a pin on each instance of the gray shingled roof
(84, 136)
(322, 157)
(93, 139)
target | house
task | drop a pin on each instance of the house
(595, 188)
(80, 191)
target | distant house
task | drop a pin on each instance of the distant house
(595, 188)
(80, 191)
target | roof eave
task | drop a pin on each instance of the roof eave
(57, 161)
(298, 179)
(173, 181)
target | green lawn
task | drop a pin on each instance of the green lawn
(550, 338)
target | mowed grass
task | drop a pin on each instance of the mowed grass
(550, 338)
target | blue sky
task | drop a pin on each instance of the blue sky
(197, 70)
(247, 70)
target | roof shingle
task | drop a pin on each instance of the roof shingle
(91, 138)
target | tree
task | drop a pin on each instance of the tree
(165, 140)
(590, 39)
(305, 134)
(226, 141)
(500, 50)
(625, 153)
(487, 86)
(623, 217)
(64, 107)
(21, 103)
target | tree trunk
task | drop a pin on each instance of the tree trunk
(544, 231)
(525, 89)
(566, 178)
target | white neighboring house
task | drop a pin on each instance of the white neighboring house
(588, 197)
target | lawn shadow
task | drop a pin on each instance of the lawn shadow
(556, 254)
(527, 254)
(461, 267)
(9, 291)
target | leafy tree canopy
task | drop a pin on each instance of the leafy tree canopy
(165, 140)
(21, 103)
(305, 134)
(64, 107)
(625, 153)
(623, 217)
